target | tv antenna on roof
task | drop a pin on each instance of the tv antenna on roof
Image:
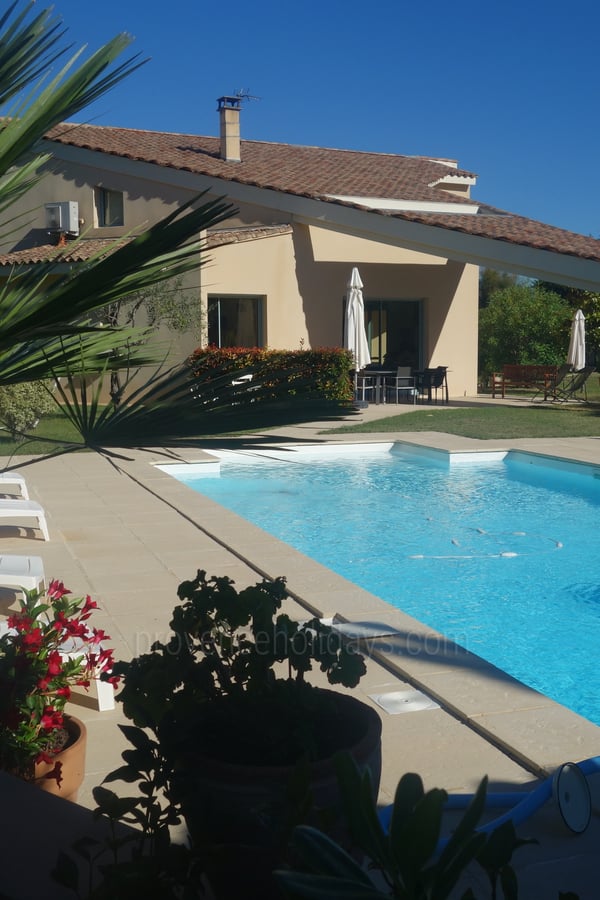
(244, 94)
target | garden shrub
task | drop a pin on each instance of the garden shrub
(22, 405)
(523, 324)
(324, 372)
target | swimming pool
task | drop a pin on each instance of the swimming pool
(498, 551)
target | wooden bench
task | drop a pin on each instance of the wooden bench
(516, 376)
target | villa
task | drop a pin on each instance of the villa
(279, 267)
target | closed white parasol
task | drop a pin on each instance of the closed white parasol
(355, 335)
(576, 354)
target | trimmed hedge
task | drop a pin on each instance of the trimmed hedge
(323, 373)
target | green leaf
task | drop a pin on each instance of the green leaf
(448, 870)
(509, 883)
(361, 811)
(321, 854)
(499, 847)
(467, 825)
(409, 792)
(419, 837)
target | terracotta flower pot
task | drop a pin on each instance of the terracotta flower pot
(72, 760)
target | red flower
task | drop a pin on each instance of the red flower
(20, 621)
(32, 640)
(98, 635)
(51, 719)
(56, 590)
(36, 675)
(55, 664)
(88, 606)
(70, 627)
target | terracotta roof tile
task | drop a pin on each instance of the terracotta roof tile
(503, 226)
(307, 171)
(78, 251)
(238, 235)
(84, 249)
(321, 173)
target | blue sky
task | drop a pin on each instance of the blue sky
(509, 89)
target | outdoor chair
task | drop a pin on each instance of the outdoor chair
(365, 386)
(573, 386)
(559, 381)
(430, 381)
(402, 382)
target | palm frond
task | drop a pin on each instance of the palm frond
(27, 48)
(77, 85)
(14, 185)
(43, 310)
(173, 409)
(94, 351)
(34, 304)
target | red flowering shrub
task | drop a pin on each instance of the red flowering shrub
(36, 675)
(324, 372)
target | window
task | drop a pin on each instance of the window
(394, 331)
(235, 321)
(109, 207)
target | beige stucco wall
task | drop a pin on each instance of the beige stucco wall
(452, 313)
(302, 275)
(144, 202)
(329, 246)
(263, 268)
(304, 297)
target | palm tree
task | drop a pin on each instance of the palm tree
(45, 329)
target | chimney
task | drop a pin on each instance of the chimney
(229, 119)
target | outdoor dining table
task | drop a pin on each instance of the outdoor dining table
(379, 376)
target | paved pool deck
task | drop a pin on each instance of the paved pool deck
(127, 533)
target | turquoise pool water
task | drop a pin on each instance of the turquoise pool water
(500, 553)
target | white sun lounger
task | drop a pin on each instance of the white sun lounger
(13, 478)
(25, 572)
(25, 509)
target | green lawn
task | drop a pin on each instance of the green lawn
(55, 427)
(489, 422)
(485, 422)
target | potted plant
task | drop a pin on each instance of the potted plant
(46, 648)
(410, 860)
(243, 744)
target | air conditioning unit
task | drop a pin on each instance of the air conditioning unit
(63, 216)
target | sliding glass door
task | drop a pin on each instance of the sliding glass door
(394, 330)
